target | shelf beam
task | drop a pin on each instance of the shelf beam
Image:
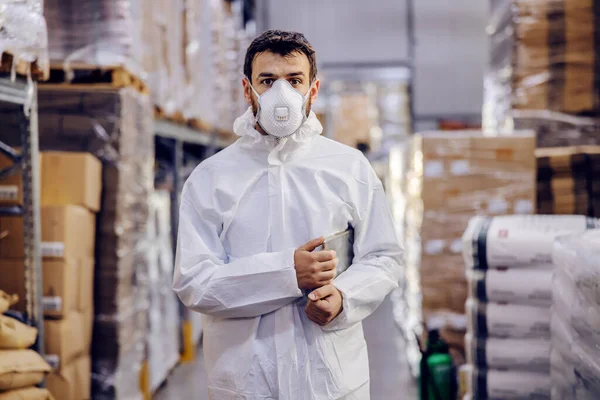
(13, 92)
(168, 129)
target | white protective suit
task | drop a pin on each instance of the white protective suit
(243, 213)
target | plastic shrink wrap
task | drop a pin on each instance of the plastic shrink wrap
(569, 180)
(29, 45)
(575, 365)
(367, 114)
(117, 127)
(407, 298)
(194, 56)
(451, 177)
(509, 263)
(189, 52)
(543, 71)
(163, 322)
(102, 33)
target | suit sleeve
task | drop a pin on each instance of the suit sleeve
(207, 283)
(378, 258)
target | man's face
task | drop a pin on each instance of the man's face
(268, 67)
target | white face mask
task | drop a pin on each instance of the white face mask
(281, 109)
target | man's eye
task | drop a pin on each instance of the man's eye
(295, 82)
(268, 82)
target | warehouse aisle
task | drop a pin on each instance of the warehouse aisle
(187, 382)
(389, 370)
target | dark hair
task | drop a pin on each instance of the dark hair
(283, 43)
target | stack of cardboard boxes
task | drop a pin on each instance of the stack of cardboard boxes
(352, 114)
(569, 180)
(452, 177)
(117, 127)
(70, 197)
(543, 70)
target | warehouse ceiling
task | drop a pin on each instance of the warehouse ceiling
(450, 52)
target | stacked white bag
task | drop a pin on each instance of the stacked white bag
(575, 360)
(509, 269)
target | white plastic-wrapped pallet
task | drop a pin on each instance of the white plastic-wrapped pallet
(509, 270)
(101, 33)
(575, 362)
(25, 45)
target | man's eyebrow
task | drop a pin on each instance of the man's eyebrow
(266, 74)
(300, 73)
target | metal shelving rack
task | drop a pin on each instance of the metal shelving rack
(181, 135)
(17, 93)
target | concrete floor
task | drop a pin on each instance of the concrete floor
(188, 382)
(390, 376)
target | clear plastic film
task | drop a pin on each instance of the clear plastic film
(163, 321)
(407, 299)
(576, 319)
(568, 180)
(164, 24)
(352, 116)
(452, 177)
(193, 53)
(545, 51)
(543, 67)
(105, 33)
(25, 45)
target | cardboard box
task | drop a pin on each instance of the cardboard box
(65, 178)
(472, 145)
(68, 232)
(11, 187)
(64, 338)
(72, 381)
(71, 178)
(68, 285)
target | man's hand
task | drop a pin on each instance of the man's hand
(324, 305)
(314, 268)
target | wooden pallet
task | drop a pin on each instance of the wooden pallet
(193, 123)
(178, 117)
(94, 77)
(22, 67)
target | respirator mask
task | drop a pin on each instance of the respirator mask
(281, 109)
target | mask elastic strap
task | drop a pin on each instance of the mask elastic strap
(255, 92)
(306, 97)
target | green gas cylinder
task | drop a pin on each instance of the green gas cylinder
(437, 380)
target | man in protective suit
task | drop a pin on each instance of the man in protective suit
(247, 254)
